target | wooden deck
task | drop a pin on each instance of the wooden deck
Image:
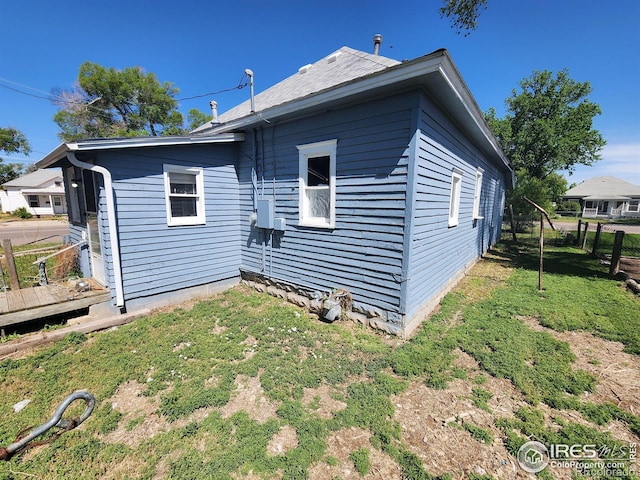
(18, 306)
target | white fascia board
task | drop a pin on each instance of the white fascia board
(450, 74)
(134, 142)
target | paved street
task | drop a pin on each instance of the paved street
(35, 231)
(593, 224)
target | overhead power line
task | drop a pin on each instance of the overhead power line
(50, 97)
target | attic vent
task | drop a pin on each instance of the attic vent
(305, 68)
(332, 58)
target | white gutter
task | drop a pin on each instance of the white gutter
(111, 219)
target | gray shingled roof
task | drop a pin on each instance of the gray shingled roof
(34, 179)
(604, 188)
(341, 66)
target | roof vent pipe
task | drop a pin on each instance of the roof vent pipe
(249, 74)
(214, 111)
(377, 41)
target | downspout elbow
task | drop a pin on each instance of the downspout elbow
(111, 220)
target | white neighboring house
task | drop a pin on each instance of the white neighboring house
(606, 197)
(40, 192)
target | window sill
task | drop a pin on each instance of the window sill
(326, 226)
(478, 218)
(186, 224)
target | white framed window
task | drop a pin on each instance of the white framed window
(184, 195)
(454, 199)
(633, 206)
(477, 194)
(317, 182)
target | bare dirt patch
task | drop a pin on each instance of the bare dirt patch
(251, 343)
(286, 439)
(127, 468)
(617, 372)
(135, 409)
(321, 401)
(249, 397)
(445, 447)
(340, 445)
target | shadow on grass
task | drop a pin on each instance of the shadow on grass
(557, 259)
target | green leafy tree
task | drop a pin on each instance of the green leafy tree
(107, 102)
(12, 141)
(548, 128)
(195, 118)
(549, 125)
(463, 13)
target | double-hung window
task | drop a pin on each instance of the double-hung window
(454, 199)
(477, 194)
(317, 183)
(633, 206)
(184, 195)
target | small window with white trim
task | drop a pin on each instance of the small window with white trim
(454, 199)
(317, 182)
(477, 194)
(184, 195)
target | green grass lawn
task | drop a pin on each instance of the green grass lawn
(191, 359)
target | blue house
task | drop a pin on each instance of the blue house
(360, 187)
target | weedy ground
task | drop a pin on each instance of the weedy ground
(245, 386)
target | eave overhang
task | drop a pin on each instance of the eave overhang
(91, 145)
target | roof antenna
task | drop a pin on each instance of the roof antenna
(249, 73)
(377, 41)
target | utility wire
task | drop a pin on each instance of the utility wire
(50, 97)
(241, 84)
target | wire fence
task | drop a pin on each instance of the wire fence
(58, 268)
(567, 233)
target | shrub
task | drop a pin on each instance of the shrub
(22, 212)
(569, 206)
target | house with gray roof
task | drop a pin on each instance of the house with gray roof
(609, 197)
(359, 187)
(40, 192)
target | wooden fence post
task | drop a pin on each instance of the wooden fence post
(617, 252)
(596, 241)
(584, 239)
(11, 264)
(543, 215)
(579, 231)
(513, 223)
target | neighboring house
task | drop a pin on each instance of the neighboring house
(357, 173)
(40, 192)
(606, 197)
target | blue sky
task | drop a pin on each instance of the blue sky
(204, 46)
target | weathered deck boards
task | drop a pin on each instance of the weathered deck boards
(18, 306)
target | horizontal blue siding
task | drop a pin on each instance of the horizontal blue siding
(156, 258)
(363, 254)
(437, 252)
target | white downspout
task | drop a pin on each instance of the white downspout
(111, 219)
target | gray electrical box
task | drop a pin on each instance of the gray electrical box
(280, 224)
(265, 213)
